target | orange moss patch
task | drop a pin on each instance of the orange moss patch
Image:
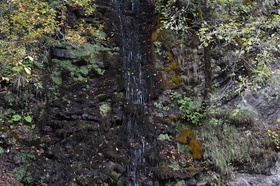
(172, 79)
(196, 149)
(173, 64)
(187, 137)
(169, 63)
(176, 80)
(158, 35)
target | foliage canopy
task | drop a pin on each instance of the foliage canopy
(248, 29)
(28, 28)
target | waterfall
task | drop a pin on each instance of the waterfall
(131, 50)
(132, 60)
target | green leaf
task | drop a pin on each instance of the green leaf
(84, 70)
(56, 77)
(16, 117)
(28, 119)
(164, 137)
(1, 150)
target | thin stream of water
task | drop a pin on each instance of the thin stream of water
(136, 92)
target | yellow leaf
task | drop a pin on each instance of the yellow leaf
(30, 58)
(278, 120)
(5, 78)
(27, 70)
(21, 8)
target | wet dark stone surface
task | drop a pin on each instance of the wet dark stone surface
(62, 53)
(79, 144)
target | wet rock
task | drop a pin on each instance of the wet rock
(62, 53)
(49, 154)
(115, 166)
(239, 182)
(191, 182)
(270, 179)
(204, 183)
(180, 183)
(90, 117)
(255, 180)
(268, 107)
(175, 51)
(147, 182)
(166, 173)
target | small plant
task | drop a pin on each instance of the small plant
(18, 118)
(159, 6)
(175, 96)
(190, 110)
(15, 118)
(164, 137)
(158, 105)
(158, 46)
(104, 109)
(2, 150)
(275, 138)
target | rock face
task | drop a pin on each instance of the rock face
(270, 179)
(62, 53)
(105, 129)
(266, 104)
